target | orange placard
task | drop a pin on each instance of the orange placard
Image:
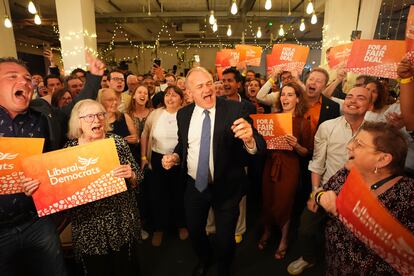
(370, 222)
(409, 34)
(74, 176)
(272, 127)
(251, 55)
(12, 151)
(376, 57)
(339, 55)
(287, 57)
(226, 58)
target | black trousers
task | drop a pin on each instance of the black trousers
(226, 213)
(312, 234)
(115, 263)
(166, 195)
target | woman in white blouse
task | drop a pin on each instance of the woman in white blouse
(159, 137)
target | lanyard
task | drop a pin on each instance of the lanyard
(382, 182)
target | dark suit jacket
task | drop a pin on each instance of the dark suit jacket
(229, 155)
(329, 110)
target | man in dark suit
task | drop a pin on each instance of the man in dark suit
(320, 107)
(214, 140)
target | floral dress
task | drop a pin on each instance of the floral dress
(110, 223)
(345, 253)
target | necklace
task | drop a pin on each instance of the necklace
(382, 182)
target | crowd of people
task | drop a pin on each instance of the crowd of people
(190, 153)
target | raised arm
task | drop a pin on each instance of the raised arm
(405, 71)
(263, 96)
(92, 84)
(329, 90)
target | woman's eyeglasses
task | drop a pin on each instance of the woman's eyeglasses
(89, 118)
(357, 143)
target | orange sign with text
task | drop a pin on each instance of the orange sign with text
(273, 127)
(376, 57)
(287, 57)
(225, 59)
(409, 35)
(74, 176)
(250, 55)
(339, 55)
(370, 222)
(12, 150)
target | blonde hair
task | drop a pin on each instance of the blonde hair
(74, 126)
(100, 99)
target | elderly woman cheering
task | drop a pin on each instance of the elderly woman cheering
(378, 152)
(104, 232)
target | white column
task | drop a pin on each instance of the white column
(341, 19)
(8, 44)
(368, 18)
(76, 19)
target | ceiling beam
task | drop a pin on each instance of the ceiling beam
(122, 15)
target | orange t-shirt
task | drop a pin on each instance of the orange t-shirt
(313, 115)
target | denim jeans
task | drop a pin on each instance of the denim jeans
(31, 248)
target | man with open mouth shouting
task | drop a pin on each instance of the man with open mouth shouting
(22, 232)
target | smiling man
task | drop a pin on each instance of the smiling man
(22, 232)
(215, 138)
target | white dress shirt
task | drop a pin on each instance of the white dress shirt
(330, 153)
(194, 137)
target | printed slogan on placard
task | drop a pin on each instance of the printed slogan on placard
(12, 150)
(273, 127)
(74, 176)
(376, 57)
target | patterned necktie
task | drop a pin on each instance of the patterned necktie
(204, 156)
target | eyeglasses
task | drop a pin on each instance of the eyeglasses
(89, 118)
(117, 79)
(357, 143)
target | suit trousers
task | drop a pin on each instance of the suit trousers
(226, 212)
(311, 234)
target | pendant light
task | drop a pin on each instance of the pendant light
(229, 32)
(234, 8)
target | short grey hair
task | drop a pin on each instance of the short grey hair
(196, 69)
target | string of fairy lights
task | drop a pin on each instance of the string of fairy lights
(385, 30)
(122, 39)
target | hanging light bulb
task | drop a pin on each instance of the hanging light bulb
(268, 4)
(302, 25)
(309, 7)
(211, 19)
(229, 32)
(32, 8)
(7, 22)
(215, 27)
(37, 19)
(234, 9)
(259, 32)
(281, 31)
(314, 19)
